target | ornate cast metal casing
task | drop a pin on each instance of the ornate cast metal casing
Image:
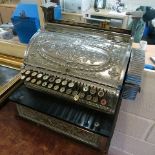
(87, 66)
(86, 72)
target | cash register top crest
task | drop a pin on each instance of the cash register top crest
(88, 55)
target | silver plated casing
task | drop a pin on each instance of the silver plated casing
(86, 57)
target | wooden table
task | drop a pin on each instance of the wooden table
(150, 51)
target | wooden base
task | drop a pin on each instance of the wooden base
(19, 136)
(62, 127)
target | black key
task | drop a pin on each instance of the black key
(70, 114)
(91, 120)
(91, 126)
(83, 119)
(63, 111)
(52, 108)
(86, 120)
(56, 109)
(59, 110)
(73, 115)
(66, 112)
(78, 120)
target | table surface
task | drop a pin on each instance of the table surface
(150, 51)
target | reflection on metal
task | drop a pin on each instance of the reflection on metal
(9, 75)
(10, 61)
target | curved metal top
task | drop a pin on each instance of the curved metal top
(75, 52)
(89, 55)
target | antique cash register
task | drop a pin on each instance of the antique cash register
(74, 80)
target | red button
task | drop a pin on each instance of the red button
(103, 102)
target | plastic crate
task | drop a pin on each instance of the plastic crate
(26, 22)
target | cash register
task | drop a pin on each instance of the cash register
(74, 79)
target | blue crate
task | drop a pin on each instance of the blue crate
(146, 32)
(26, 22)
(57, 13)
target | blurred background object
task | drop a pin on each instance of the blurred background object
(119, 6)
(71, 6)
(99, 4)
(52, 11)
(9, 1)
(6, 34)
(141, 24)
(26, 21)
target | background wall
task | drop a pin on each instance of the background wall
(28, 1)
(131, 4)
